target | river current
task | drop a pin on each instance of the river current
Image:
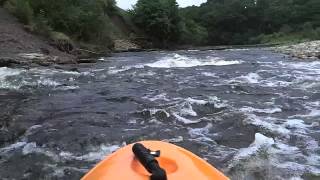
(252, 113)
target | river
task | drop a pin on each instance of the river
(252, 113)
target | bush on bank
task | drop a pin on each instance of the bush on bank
(82, 20)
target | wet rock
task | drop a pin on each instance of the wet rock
(311, 176)
(10, 135)
(87, 61)
(178, 139)
(4, 137)
(161, 114)
(120, 99)
(45, 51)
(37, 58)
(74, 69)
(34, 58)
(8, 62)
(234, 133)
(207, 109)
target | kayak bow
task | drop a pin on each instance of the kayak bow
(163, 161)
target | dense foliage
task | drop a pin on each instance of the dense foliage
(84, 20)
(159, 19)
(230, 21)
(257, 21)
(213, 23)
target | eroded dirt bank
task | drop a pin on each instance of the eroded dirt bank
(18, 46)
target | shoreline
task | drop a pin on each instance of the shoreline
(21, 48)
(307, 50)
(304, 51)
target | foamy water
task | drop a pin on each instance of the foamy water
(6, 73)
(251, 113)
(16, 79)
(179, 61)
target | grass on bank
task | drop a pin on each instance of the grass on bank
(289, 37)
(94, 23)
(82, 21)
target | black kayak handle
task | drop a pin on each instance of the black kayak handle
(149, 162)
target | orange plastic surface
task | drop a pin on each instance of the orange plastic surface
(179, 164)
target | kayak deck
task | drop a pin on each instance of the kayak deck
(178, 163)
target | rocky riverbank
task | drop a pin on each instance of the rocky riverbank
(123, 45)
(20, 47)
(306, 50)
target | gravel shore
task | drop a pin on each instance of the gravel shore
(306, 50)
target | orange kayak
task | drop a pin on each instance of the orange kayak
(175, 162)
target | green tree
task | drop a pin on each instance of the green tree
(159, 19)
(84, 20)
(193, 33)
(240, 21)
(108, 6)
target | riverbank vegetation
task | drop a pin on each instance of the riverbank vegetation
(259, 21)
(86, 22)
(216, 22)
(219, 22)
